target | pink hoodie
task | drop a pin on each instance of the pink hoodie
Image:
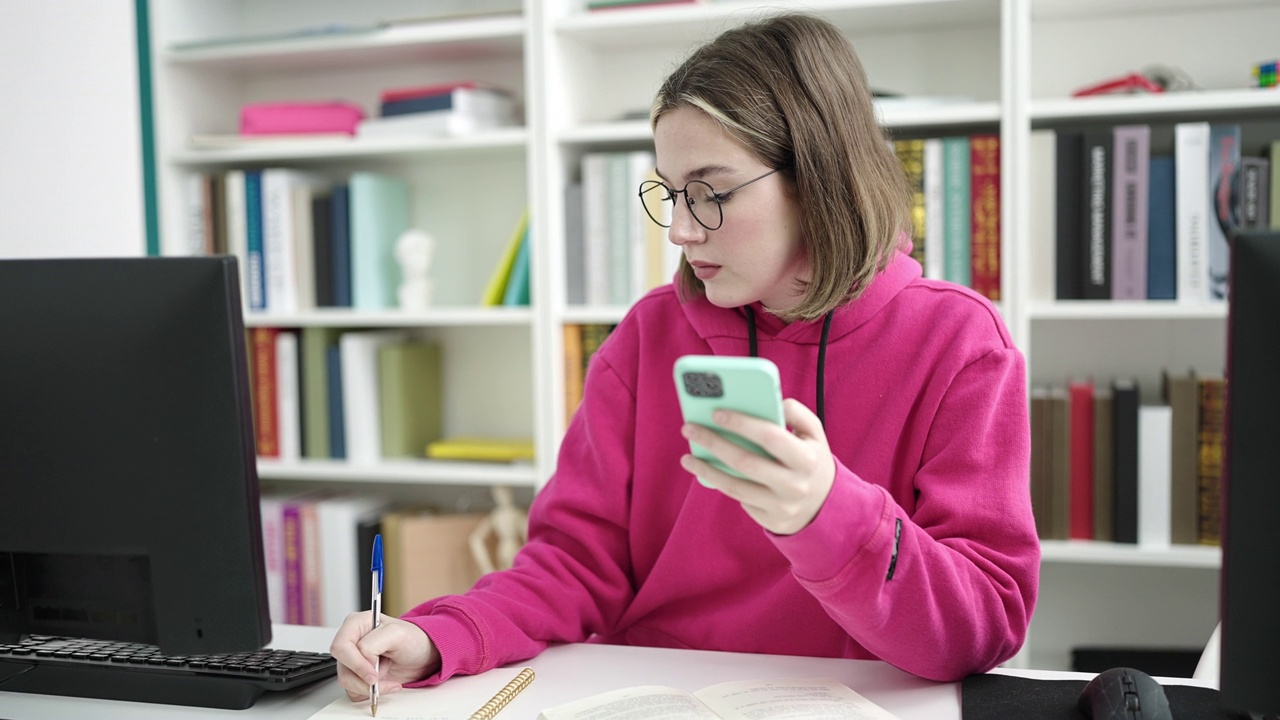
(924, 554)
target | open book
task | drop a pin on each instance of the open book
(790, 698)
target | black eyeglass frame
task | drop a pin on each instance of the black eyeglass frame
(716, 197)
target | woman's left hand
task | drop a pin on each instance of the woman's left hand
(783, 494)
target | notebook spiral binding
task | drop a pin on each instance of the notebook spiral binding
(504, 696)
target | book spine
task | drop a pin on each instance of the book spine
(1129, 200)
(312, 566)
(1154, 476)
(322, 249)
(1041, 459)
(1103, 467)
(1224, 163)
(288, 397)
(984, 179)
(340, 239)
(1081, 514)
(253, 239)
(1209, 471)
(934, 211)
(620, 196)
(266, 411)
(1191, 182)
(911, 155)
(292, 523)
(277, 241)
(1252, 211)
(1183, 394)
(1060, 464)
(956, 214)
(1097, 215)
(1162, 242)
(1069, 245)
(337, 416)
(1124, 448)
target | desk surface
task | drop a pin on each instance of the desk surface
(564, 673)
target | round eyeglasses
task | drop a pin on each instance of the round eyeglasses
(703, 201)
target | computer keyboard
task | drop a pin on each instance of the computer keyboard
(129, 671)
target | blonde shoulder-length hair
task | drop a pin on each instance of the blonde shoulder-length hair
(791, 89)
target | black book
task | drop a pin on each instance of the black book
(1096, 215)
(1124, 455)
(1070, 234)
(323, 250)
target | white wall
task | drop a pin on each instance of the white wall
(70, 157)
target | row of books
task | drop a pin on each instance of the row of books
(303, 242)
(614, 252)
(317, 548)
(451, 109)
(955, 210)
(363, 396)
(581, 341)
(1106, 467)
(1144, 211)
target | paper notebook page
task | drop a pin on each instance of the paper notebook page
(790, 699)
(455, 699)
(647, 702)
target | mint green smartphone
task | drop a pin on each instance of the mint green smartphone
(749, 385)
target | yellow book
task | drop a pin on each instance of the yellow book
(497, 287)
(477, 448)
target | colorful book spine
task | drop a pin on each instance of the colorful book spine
(292, 524)
(253, 239)
(911, 155)
(984, 179)
(265, 399)
(1224, 166)
(1162, 241)
(1212, 424)
(1129, 198)
(956, 213)
(1081, 513)
(1098, 158)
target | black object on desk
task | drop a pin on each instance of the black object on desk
(129, 671)
(1001, 697)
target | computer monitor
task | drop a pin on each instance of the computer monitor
(129, 493)
(1250, 597)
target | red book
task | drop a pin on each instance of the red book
(410, 93)
(1081, 484)
(265, 412)
(984, 189)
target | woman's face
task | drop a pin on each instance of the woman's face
(756, 254)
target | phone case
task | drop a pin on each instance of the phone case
(706, 383)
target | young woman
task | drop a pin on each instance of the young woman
(895, 522)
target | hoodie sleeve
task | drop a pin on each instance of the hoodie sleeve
(572, 577)
(949, 589)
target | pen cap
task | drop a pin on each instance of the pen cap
(377, 559)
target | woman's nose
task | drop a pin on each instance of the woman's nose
(684, 228)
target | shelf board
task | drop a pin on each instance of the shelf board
(1187, 104)
(1105, 553)
(1085, 9)
(594, 314)
(460, 39)
(892, 116)
(1126, 310)
(503, 140)
(432, 317)
(425, 472)
(636, 27)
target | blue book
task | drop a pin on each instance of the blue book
(337, 425)
(517, 290)
(340, 245)
(379, 214)
(426, 103)
(257, 272)
(1162, 249)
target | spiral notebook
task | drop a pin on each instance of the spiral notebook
(472, 697)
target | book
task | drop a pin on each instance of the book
(1068, 243)
(1103, 483)
(1162, 244)
(1124, 455)
(346, 570)
(340, 244)
(477, 448)
(256, 272)
(1097, 209)
(496, 289)
(473, 697)
(411, 397)
(911, 154)
(315, 343)
(516, 293)
(362, 418)
(379, 214)
(1129, 198)
(1253, 209)
(934, 210)
(955, 214)
(1155, 481)
(1209, 459)
(265, 400)
(288, 397)
(574, 266)
(1081, 483)
(1224, 165)
(737, 700)
(984, 194)
(1191, 183)
(1182, 393)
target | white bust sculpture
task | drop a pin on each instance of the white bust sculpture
(414, 249)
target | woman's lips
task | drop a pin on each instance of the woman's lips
(705, 271)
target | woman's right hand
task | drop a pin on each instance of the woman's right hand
(406, 654)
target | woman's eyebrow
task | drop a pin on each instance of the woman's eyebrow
(701, 172)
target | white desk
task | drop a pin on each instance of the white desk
(564, 673)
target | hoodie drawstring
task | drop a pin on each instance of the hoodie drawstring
(822, 356)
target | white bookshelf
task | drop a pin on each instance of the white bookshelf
(1015, 61)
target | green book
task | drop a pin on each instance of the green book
(380, 213)
(410, 390)
(316, 342)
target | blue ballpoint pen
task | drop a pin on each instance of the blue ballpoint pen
(377, 614)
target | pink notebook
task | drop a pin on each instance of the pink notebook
(300, 117)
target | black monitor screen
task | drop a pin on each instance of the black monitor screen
(1250, 660)
(129, 508)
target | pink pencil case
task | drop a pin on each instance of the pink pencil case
(300, 117)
